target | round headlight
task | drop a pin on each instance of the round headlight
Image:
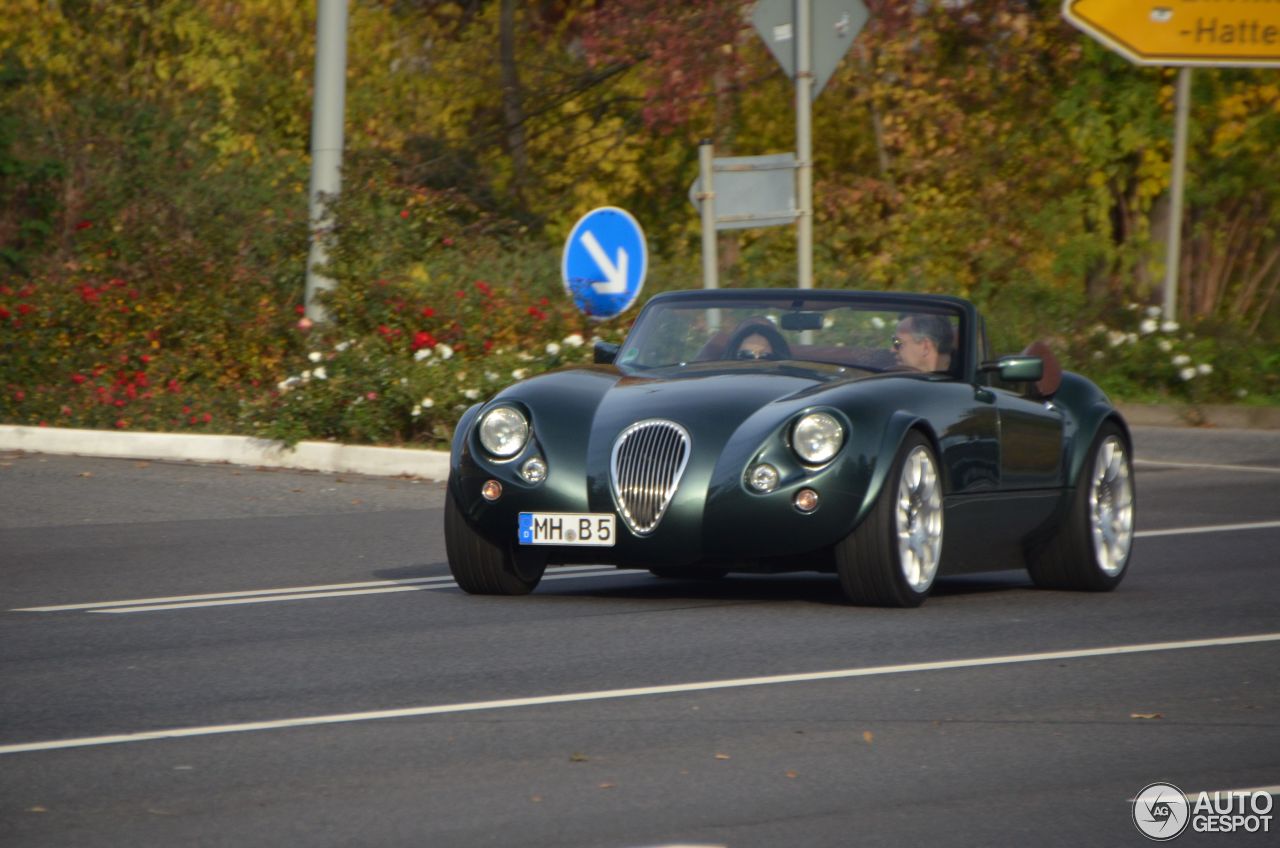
(503, 431)
(817, 437)
(763, 477)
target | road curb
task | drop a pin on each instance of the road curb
(235, 450)
(1205, 415)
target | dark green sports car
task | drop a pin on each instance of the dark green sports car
(869, 435)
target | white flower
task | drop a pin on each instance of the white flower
(286, 385)
(1131, 338)
(421, 354)
(1165, 345)
(1204, 368)
(1148, 325)
(1169, 327)
(1133, 307)
(520, 373)
(1187, 373)
(426, 403)
(1181, 359)
(524, 357)
(573, 340)
(342, 346)
(1153, 312)
(1240, 393)
(306, 376)
(1097, 354)
(1115, 338)
(315, 356)
(1097, 329)
(877, 322)
(404, 381)
(445, 351)
(415, 412)
(492, 376)
(552, 349)
(471, 394)
(320, 373)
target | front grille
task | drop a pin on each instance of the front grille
(648, 459)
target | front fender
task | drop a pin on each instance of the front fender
(1087, 408)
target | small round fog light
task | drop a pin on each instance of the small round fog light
(491, 490)
(806, 500)
(763, 477)
(534, 469)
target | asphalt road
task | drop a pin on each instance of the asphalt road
(946, 725)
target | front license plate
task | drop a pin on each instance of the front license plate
(566, 528)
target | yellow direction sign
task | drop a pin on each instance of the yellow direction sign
(1183, 32)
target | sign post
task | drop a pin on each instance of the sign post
(808, 38)
(1185, 33)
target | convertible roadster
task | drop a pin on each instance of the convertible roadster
(870, 435)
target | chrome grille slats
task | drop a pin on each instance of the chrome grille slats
(649, 458)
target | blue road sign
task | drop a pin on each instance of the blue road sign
(605, 260)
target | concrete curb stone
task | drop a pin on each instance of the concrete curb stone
(235, 450)
(434, 464)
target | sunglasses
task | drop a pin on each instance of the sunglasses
(754, 354)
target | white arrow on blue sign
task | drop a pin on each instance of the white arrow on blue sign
(605, 260)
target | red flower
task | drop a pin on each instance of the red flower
(488, 344)
(299, 310)
(544, 302)
(207, 418)
(25, 308)
(4, 313)
(460, 294)
(121, 423)
(446, 241)
(173, 386)
(404, 213)
(371, 395)
(186, 410)
(428, 312)
(484, 287)
(19, 395)
(422, 339)
(119, 403)
(192, 420)
(145, 358)
(78, 378)
(84, 224)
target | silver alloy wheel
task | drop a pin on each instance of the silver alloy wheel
(1111, 507)
(919, 519)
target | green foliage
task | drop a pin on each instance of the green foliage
(153, 178)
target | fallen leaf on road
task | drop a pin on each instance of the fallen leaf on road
(537, 799)
(791, 774)
(1146, 715)
(37, 809)
(142, 465)
(868, 736)
(608, 785)
(86, 473)
(722, 756)
(577, 758)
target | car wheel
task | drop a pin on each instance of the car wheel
(479, 566)
(891, 558)
(1090, 549)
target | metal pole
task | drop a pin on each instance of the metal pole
(706, 166)
(1174, 244)
(804, 146)
(328, 105)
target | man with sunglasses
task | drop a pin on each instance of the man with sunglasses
(923, 342)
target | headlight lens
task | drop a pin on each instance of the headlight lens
(817, 437)
(503, 431)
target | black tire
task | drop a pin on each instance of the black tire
(1090, 549)
(870, 560)
(479, 566)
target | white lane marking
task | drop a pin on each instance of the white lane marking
(1193, 796)
(305, 596)
(1207, 465)
(374, 587)
(636, 692)
(1215, 528)
(291, 590)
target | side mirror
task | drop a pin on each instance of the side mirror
(1016, 369)
(604, 353)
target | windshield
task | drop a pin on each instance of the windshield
(867, 336)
